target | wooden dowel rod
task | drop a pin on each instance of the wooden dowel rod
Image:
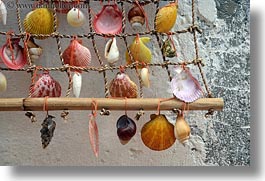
(36, 104)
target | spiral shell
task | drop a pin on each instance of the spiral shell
(111, 51)
(182, 129)
(3, 82)
(39, 21)
(75, 17)
(136, 17)
(166, 18)
(35, 51)
(76, 54)
(46, 86)
(3, 12)
(158, 133)
(122, 86)
(126, 129)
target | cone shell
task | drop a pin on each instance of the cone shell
(75, 17)
(3, 82)
(111, 51)
(136, 17)
(46, 86)
(109, 20)
(168, 49)
(76, 54)
(184, 86)
(126, 129)
(39, 21)
(158, 133)
(166, 18)
(3, 12)
(139, 51)
(182, 129)
(122, 86)
(77, 84)
(145, 77)
(17, 53)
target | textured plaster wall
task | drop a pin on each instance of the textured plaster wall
(221, 140)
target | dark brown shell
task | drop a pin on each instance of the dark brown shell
(126, 128)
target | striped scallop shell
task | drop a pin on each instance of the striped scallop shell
(166, 18)
(158, 133)
(76, 54)
(122, 86)
(46, 86)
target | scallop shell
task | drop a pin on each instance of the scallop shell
(3, 12)
(39, 21)
(145, 77)
(77, 84)
(122, 86)
(109, 20)
(158, 133)
(7, 54)
(75, 17)
(184, 86)
(182, 129)
(46, 86)
(166, 17)
(139, 51)
(111, 51)
(3, 82)
(136, 17)
(76, 54)
(126, 129)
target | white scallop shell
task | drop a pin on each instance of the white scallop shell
(145, 77)
(77, 84)
(75, 17)
(111, 51)
(3, 12)
(3, 82)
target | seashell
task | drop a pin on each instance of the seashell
(93, 134)
(77, 84)
(136, 17)
(76, 54)
(39, 21)
(35, 51)
(109, 20)
(47, 130)
(122, 86)
(126, 129)
(12, 54)
(3, 12)
(168, 49)
(3, 82)
(182, 129)
(45, 86)
(184, 86)
(75, 17)
(139, 51)
(166, 17)
(111, 51)
(158, 133)
(145, 77)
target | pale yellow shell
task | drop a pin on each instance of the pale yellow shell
(75, 17)
(139, 51)
(182, 129)
(3, 82)
(166, 18)
(145, 77)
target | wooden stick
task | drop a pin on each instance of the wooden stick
(36, 104)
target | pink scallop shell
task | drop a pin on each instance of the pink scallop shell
(46, 86)
(185, 87)
(122, 86)
(19, 57)
(109, 20)
(76, 54)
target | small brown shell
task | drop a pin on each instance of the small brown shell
(182, 129)
(136, 16)
(158, 133)
(122, 86)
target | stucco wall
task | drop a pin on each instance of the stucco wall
(223, 139)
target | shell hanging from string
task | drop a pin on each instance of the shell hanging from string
(158, 133)
(126, 129)
(184, 86)
(123, 86)
(136, 17)
(93, 130)
(182, 129)
(145, 77)
(12, 54)
(111, 51)
(39, 21)
(108, 20)
(3, 12)
(3, 82)
(35, 51)
(76, 54)
(139, 51)
(166, 17)
(75, 17)
(46, 86)
(168, 49)
(77, 84)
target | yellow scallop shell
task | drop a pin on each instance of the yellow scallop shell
(166, 18)
(139, 51)
(158, 133)
(39, 21)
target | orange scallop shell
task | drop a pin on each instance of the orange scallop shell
(158, 133)
(122, 86)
